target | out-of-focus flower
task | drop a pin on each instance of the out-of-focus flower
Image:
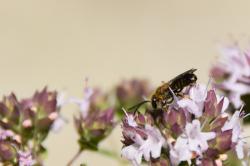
(29, 120)
(246, 161)
(194, 129)
(84, 103)
(25, 158)
(8, 147)
(61, 100)
(231, 73)
(131, 92)
(10, 150)
(4, 134)
(95, 120)
(59, 119)
(41, 109)
(58, 123)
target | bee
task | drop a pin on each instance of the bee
(163, 96)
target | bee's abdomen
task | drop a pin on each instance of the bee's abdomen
(178, 85)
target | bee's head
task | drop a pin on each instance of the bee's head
(154, 101)
(192, 78)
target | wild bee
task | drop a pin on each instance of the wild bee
(163, 95)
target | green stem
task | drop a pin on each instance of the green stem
(110, 154)
(104, 152)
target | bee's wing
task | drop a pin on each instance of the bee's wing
(191, 71)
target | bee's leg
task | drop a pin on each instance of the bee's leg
(173, 96)
(180, 94)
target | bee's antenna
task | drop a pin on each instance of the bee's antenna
(137, 106)
(125, 112)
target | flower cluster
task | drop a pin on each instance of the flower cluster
(231, 74)
(95, 120)
(11, 150)
(99, 112)
(28, 122)
(194, 129)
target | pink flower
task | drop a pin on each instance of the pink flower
(195, 103)
(225, 102)
(84, 103)
(146, 142)
(196, 128)
(130, 120)
(231, 73)
(190, 142)
(25, 159)
(214, 104)
(4, 134)
(180, 152)
(234, 125)
(197, 140)
(132, 154)
(198, 93)
(151, 147)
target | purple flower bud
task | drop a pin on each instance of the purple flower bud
(133, 90)
(7, 151)
(223, 141)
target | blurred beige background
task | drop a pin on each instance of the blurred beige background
(60, 42)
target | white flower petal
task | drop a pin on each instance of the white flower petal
(131, 121)
(58, 124)
(191, 106)
(60, 100)
(240, 150)
(198, 93)
(197, 140)
(133, 154)
(180, 151)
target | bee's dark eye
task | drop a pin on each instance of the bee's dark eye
(193, 78)
(154, 104)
